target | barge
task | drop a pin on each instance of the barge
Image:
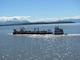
(57, 31)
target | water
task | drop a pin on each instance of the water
(73, 28)
(40, 47)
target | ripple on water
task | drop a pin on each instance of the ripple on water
(40, 47)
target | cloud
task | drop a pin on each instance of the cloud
(21, 18)
(74, 17)
(13, 18)
(48, 19)
(56, 19)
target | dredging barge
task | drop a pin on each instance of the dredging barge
(57, 31)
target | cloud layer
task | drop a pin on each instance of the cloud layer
(57, 19)
(22, 18)
(13, 18)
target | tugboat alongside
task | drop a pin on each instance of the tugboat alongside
(58, 31)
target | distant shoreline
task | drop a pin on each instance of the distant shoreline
(36, 23)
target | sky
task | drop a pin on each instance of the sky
(39, 10)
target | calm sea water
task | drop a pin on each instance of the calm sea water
(40, 47)
(73, 28)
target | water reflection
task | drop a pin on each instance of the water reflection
(33, 47)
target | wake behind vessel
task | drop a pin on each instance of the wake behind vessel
(57, 31)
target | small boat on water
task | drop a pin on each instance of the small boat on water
(57, 31)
